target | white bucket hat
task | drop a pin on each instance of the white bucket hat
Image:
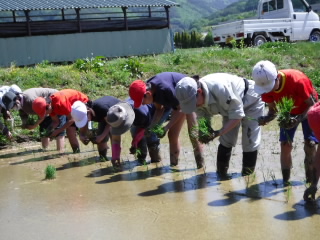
(186, 93)
(120, 117)
(79, 114)
(15, 89)
(264, 73)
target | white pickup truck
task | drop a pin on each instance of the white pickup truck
(277, 20)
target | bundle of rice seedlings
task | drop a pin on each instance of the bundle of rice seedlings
(284, 108)
(50, 172)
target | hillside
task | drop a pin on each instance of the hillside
(192, 10)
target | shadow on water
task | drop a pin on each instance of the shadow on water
(79, 163)
(192, 183)
(301, 210)
(23, 153)
(131, 176)
(37, 159)
(264, 190)
(146, 172)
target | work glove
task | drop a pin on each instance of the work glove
(263, 120)
(310, 194)
(135, 141)
(292, 122)
(206, 137)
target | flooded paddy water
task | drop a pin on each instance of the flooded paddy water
(89, 200)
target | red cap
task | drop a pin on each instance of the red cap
(137, 90)
(39, 106)
(313, 119)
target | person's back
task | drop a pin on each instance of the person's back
(163, 86)
(101, 107)
(31, 94)
(62, 101)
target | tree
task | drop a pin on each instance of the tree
(208, 40)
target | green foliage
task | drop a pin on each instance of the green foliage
(44, 64)
(208, 40)
(174, 58)
(32, 119)
(188, 40)
(276, 46)
(50, 172)
(134, 67)
(94, 64)
(314, 75)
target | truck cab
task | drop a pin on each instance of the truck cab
(277, 20)
(299, 11)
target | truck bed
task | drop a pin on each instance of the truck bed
(248, 26)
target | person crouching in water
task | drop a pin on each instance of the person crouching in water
(142, 139)
(274, 86)
(234, 99)
(160, 91)
(59, 104)
(114, 119)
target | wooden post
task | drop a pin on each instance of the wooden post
(78, 19)
(62, 13)
(124, 9)
(26, 13)
(14, 16)
(168, 18)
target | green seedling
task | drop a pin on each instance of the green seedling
(284, 108)
(47, 132)
(288, 193)
(31, 120)
(273, 177)
(158, 130)
(50, 172)
(203, 131)
(251, 118)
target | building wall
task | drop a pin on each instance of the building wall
(69, 47)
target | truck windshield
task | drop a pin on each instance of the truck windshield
(299, 6)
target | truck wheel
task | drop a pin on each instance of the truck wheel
(259, 40)
(315, 36)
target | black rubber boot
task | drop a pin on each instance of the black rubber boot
(286, 176)
(223, 159)
(103, 155)
(249, 160)
(76, 149)
(310, 151)
(154, 153)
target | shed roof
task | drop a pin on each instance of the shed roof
(19, 5)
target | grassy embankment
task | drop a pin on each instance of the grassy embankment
(99, 77)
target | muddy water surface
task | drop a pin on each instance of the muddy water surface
(89, 200)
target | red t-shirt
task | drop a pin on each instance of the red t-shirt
(295, 85)
(62, 101)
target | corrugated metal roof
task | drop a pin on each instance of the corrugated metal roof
(16, 5)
